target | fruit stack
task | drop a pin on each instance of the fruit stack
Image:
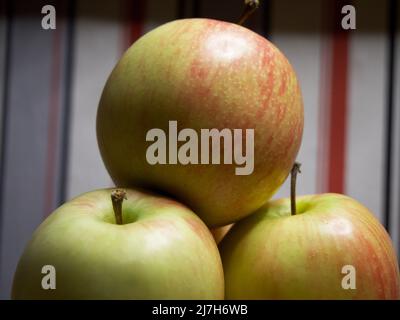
(198, 125)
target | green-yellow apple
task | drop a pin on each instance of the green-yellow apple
(161, 250)
(195, 75)
(333, 248)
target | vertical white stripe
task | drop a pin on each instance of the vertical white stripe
(295, 31)
(367, 106)
(99, 30)
(324, 124)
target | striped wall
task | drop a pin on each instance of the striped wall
(51, 81)
(366, 112)
(32, 111)
(393, 178)
(302, 43)
(97, 29)
(3, 52)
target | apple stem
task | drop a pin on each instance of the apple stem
(117, 197)
(293, 173)
(250, 7)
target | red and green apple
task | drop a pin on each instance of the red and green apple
(145, 247)
(202, 74)
(276, 255)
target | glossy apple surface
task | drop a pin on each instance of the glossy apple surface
(273, 255)
(162, 251)
(204, 74)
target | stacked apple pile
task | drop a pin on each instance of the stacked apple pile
(140, 242)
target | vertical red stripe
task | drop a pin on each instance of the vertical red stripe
(53, 122)
(133, 12)
(333, 118)
(137, 24)
(338, 104)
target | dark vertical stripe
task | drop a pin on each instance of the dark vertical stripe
(67, 100)
(53, 122)
(338, 105)
(389, 125)
(396, 13)
(181, 6)
(266, 7)
(196, 9)
(6, 82)
(137, 22)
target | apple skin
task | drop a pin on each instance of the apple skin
(273, 255)
(203, 74)
(220, 232)
(163, 251)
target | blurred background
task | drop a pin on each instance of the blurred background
(51, 81)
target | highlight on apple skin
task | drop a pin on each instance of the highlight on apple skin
(161, 250)
(273, 255)
(203, 74)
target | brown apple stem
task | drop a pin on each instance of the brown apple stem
(293, 173)
(117, 197)
(250, 7)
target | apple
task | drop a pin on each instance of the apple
(154, 248)
(193, 75)
(220, 232)
(275, 255)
